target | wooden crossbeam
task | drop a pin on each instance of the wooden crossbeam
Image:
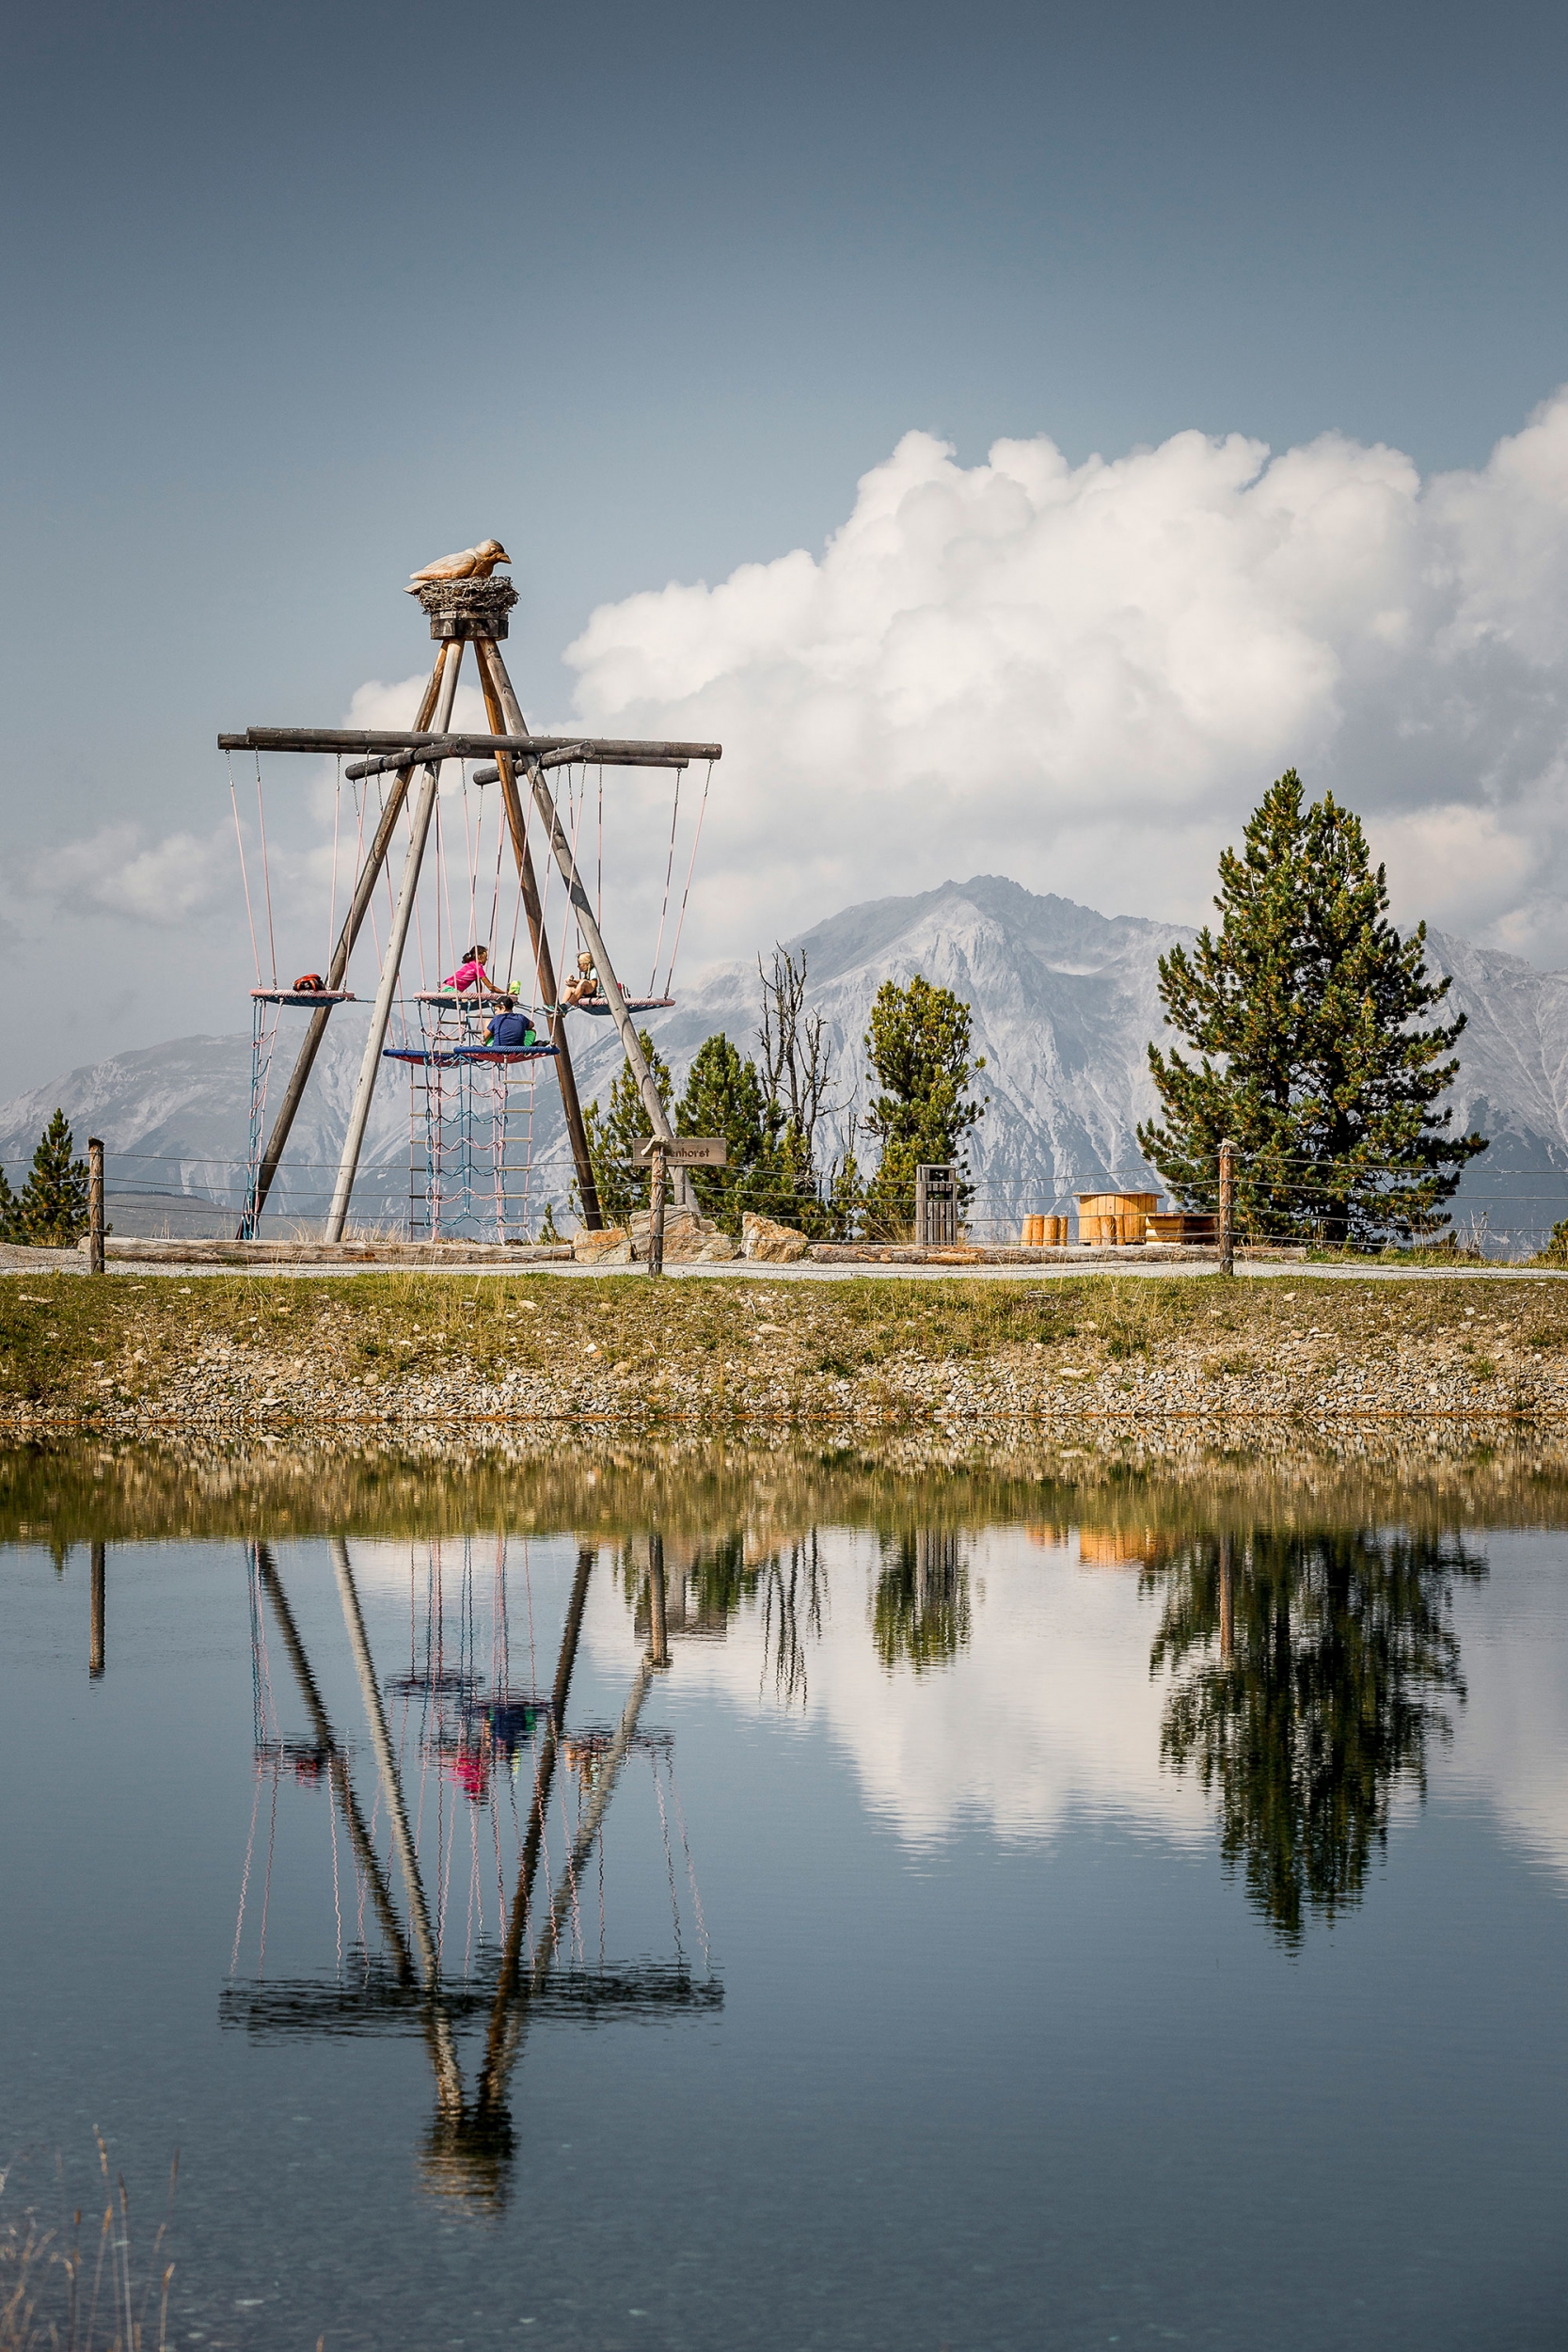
(415, 745)
(570, 757)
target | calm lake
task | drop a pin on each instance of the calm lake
(1032, 1906)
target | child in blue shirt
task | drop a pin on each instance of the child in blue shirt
(510, 1031)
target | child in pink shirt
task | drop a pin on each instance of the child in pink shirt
(470, 973)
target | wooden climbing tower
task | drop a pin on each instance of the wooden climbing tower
(463, 613)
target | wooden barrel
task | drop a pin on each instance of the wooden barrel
(1117, 1218)
(1133, 1216)
(1096, 1217)
(1055, 1230)
(1034, 1232)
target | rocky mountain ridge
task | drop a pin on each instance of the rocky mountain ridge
(1063, 1000)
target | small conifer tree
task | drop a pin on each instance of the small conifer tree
(616, 1129)
(1303, 1010)
(918, 1045)
(10, 1228)
(52, 1213)
(724, 1097)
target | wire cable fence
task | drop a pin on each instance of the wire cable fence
(1355, 1206)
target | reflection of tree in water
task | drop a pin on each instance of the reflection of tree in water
(1310, 1664)
(792, 1597)
(921, 1609)
(787, 1584)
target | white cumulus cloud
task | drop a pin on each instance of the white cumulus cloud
(1084, 675)
(162, 882)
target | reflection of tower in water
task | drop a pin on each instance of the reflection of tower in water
(473, 1718)
(458, 1720)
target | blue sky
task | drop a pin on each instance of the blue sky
(298, 298)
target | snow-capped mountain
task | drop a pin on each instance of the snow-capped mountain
(1064, 1001)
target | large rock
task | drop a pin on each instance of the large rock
(764, 1237)
(610, 1247)
(689, 1239)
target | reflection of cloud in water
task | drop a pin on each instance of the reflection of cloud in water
(1047, 1709)
(1050, 1708)
(1511, 1750)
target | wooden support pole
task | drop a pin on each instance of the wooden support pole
(95, 1205)
(501, 2044)
(354, 1818)
(449, 2077)
(655, 1211)
(95, 1638)
(336, 972)
(503, 708)
(369, 1067)
(1227, 1207)
(658, 1626)
(588, 1829)
(381, 1741)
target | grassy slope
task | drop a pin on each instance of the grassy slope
(64, 1340)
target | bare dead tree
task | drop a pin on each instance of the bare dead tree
(794, 1050)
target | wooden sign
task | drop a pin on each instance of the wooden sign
(686, 1151)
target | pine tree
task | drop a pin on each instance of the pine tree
(724, 1097)
(10, 1215)
(918, 1047)
(614, 1134)
(52, 1213)
(1303, 1012)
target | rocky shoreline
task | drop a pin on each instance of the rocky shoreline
(413, 1348)
(217, 1385)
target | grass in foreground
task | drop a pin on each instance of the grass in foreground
(60, 1336)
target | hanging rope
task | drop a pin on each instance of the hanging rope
(691, 1866)
(669, 870)
(669, 1860)
(495, 889)
(546, 861)
(332, 911)
(418, 920)
(244, 876)
(470, 845)
(516, 918)
(337, 1896)
(443, 896)
(266, 866)
(361, 803)
(670, 975)
(576, 803)
(598, 904)
(376, 928)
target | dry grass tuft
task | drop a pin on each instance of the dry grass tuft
(46, 2297)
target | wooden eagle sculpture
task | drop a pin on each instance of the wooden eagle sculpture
(468, 564)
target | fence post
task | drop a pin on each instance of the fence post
(1227, 1207)
(659, 1628)
(95, 1205)
(95, 1635)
